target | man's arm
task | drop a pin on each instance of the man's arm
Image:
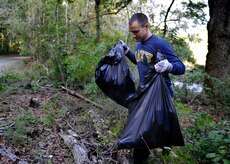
(131, 57)
(128, 53)
(176, 66)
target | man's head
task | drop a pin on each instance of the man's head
(139, 27)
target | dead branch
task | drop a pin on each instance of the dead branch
(6, 152)
(39, 81)
(5, 127)
(78, 149)
(81, 97)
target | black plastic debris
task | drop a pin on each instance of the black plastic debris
(113, 76)
(152, 119)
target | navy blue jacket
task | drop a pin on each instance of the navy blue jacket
(145, 56)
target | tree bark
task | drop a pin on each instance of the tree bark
(218, 57)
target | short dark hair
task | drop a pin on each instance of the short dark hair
(141, 18)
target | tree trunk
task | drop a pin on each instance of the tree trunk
(7, 43)
(66, 22)
(97, 10)
(218, 57)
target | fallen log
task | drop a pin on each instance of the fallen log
(77, 148)
(81, 97)
(6, 152)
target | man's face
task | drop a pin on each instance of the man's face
(138, 32)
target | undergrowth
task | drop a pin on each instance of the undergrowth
(207, 138)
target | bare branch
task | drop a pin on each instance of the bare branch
(168, 10)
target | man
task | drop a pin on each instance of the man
(146, 48)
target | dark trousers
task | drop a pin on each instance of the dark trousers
(140, 155)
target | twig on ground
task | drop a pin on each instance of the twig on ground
(5, 127)
(81, 97)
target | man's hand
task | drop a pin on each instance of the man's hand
(126, 48)
(163, 65)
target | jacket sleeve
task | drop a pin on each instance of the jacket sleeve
(131, 56)
(178, 65)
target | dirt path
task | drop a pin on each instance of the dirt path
(7, 62)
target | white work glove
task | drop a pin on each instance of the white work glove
(163, 66)
(126, 48)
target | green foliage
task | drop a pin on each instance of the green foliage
(91, 88)
(52, 111)
(18, 133)
(182, 109)
(10, 77)
(195, 11)
(18, 79)
(203, 121)
(78, 66)
(110, 6)
(220, 90)
(7, 82)
(2, 86)
(211, 141)
(117, 128)
(52, 34)
(179, 155)
(208, 141)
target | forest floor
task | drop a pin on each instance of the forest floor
(38, 141)
(35, 134)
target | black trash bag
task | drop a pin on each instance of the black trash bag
(153, 120)
(113, 76)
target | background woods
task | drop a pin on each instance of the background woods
(65, 39)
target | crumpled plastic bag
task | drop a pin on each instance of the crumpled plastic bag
(113, 76)
(153, 120)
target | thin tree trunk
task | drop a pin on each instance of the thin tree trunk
(56, 20)
(98, 28)
(218, 57)
(166, 16)
(66, 22)
(56, 55)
